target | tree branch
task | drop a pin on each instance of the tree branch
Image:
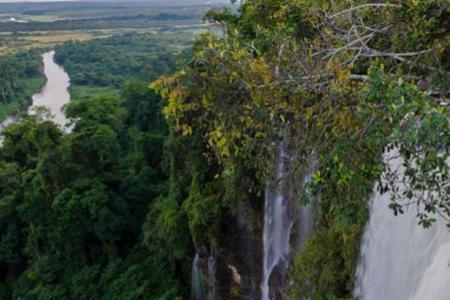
(375, 5)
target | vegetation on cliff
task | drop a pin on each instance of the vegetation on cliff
(116, 208)
(342, 80)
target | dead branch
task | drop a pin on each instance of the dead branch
(374, 5)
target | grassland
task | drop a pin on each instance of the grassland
(10, 42)
(45, 25)
(19, 42)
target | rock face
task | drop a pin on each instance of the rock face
(276, 281)
(244, 255)
(237, 261)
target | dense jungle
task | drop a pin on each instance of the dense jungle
(287, 149)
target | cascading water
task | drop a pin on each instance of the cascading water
(211, 276)
(306, 213)
(277, 228)
(436, 278)
(286, 224)
(399, 259)
(203, 288)
(197, 280)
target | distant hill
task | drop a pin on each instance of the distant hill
(46, 7)
(158, 3)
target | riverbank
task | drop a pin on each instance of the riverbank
(27, 71)
(31, 86)
(53, 95)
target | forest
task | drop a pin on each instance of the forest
(132, 21)
(111, 62)
(20, 77)
(104, 174)
(171, 187)
(29, 25)
(88, 15)
(73, 205)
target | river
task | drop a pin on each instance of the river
(53, 95)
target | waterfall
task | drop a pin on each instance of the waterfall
(400, 260)
(200, 291)
(277, 228)
(211, 276)
(197, 280)
(436, 278)
(306, 212)
(286, 224)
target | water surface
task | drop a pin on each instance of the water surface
(54, 95)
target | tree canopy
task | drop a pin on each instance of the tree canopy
(21, 75)
(116, 208)
(343, 81)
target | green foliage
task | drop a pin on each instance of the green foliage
(326, 263)
(343, 81)
(114, 209)
(110, 62)
(73, 205)
(420, 137)
(203, 208)
(20, 77)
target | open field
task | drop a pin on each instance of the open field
(25, 17)
(57, 37)
(10, 42)
(14, 43)
(42, 25)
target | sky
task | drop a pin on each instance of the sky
(6, 1)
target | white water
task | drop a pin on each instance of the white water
(197, 280)
(282, 218)
(399, 259)
(53, 95)
(306, 212)
(436, 278)
(277, 226)
(203, 288)
(211, 276)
